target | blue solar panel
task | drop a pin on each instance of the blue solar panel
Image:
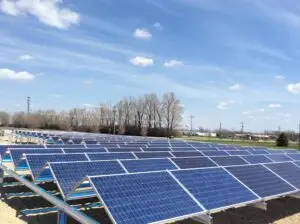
(257, 159)
(150, 197)
(275, 151)
(187, 154)
(129, 149)
(214, 188)
(297, 163)
(215, 153)
(144, 165)
(279, 158)
(228, 160)
(16, 154)
(206, 148)
(94, 146)
(23, 146)
(149, 155)
(157, 149)
(175, 149)
(36, 162)
(83, 150)
(111, 156)
(193, 162)
(259, 152)
(69, 174)
(260, 180)
(290, 151)
(239, 153)
(294, 156)
(287, 171)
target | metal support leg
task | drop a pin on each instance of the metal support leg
(61, 217)
(260, 205)
(296, 196)
(205, 219)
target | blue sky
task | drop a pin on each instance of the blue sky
(228, 61)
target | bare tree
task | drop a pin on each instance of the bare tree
(4, 118)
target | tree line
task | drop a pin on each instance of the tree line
(147, 115)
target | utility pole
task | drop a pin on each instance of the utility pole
(220, 135)
(191, 119)
(242, 130)
(28, 104)
(114, 112)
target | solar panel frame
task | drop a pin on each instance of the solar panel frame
(294, 156)
(257, 159)
(183, 193)
(279, 158)
(239, 153)
(111, 156)
(194, 162)
(153, 155)
(215, 153)
(84, 150)
(186, 153)
(228, 160)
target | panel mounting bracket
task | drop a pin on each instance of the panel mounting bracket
(296, 195)
(260, 205)
(205, 219)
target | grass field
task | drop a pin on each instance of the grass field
(268, 144)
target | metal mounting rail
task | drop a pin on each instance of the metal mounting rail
(62, 206)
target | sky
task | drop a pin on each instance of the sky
(228, 61)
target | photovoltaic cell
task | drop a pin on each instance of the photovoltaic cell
(145, 165)
(238, 153)
(129, 149)
(259, 152)
(149, 197)
(294, 156)
(279, 158)
(69, 174)
(275, 151)
(260, 180)
(110, 156)
(37, 162)
(214, 188)
(206, 148)
(215, 153)
(149, 155)
(193, 162)
(257, 159)
(83, 150)
(157, 149)
(16, 154)
(187, 154)
(228, 160)
(297, 163)
(287, 171)
(175, 149)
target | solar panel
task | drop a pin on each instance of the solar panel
(287, 171)
(111, 156)
(145, 165)
(259, 152)
(206, 148)
(175, 149)
(214, 187)
(23, 146)
(290, 151)
(214, 153)
(275, 151)
(69, 174)
(149, 197)
(149, 155)
(16, 154)
(187, 154)
(83, 150)
(129, 149)
(228, 160)
(260, 180)
(297, 163)
(294, 156)
(279, 158)
(257, 159)
(36, 162)
(157, 149)
(193, 162)
(238, 152)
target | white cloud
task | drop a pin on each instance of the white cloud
(88, 105)
(173, 63)
(294, 88)
(26, 57)
(246, 112)
(261, 110)
(6, 73)
(142, 34)
(225, 104)
(142, 61)
(235, 87)
(274, 105)
(88, 81)
(279, 77)
(157, 25)
(48, 12)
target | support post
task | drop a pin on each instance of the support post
(296, 196)
(61, 217)
(260, 205)
(205, 219)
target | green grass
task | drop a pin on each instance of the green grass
(268, 144)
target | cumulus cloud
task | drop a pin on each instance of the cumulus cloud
(294, 88)
(48, 12)
(279, 77)
(274, 105)
(225, 104)
(142, 61)
(157, 25)
(235, 87)
(142, 34)
(173, 63)
(26, 57)
(9, 74)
